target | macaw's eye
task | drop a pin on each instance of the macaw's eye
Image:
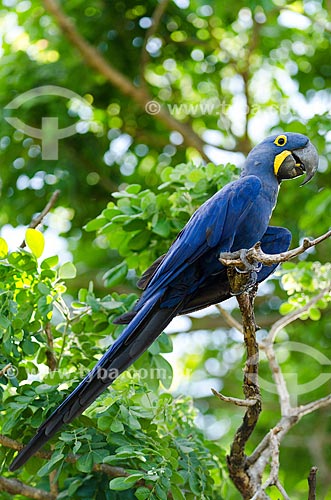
(281, 140)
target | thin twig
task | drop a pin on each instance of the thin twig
(234, 401)
(282, 490)
(38, 220)
(229, 319)
(312, 483)
(313, 406)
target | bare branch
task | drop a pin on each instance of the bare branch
(274, 466)
(312, 483)
(282, 490)
(277, 374)
(15, 487)
(38, 220)
(229, 319)
(313, 406)
(255, 254)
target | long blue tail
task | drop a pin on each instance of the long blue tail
(144, 328)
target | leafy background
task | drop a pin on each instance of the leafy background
(225, 75)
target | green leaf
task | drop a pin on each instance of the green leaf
(85, 463)
(314, 314)
(4, 322)
(51, 464)
(176, 493)
(164, 370)
(95, 224)
(30, 347)
(134, 225)
(133, 188)
(286, 308)
(35, 241)
(117, 426)
(3, 248)
(162, 228)
(143, 493)
(124, 483)
(50, 262)
(116, 275)
(43, 289)
(67, 271)
(140, 241)
(161, 493)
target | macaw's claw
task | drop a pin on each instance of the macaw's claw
(249, 266)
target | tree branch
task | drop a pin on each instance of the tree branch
(38, 220)
(255, 254)
(237, 459)
(15, 487)
(95, 60)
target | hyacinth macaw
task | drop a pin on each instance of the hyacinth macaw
(190, 276)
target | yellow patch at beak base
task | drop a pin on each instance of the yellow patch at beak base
(279, 160)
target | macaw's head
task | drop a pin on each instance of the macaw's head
(285, 156)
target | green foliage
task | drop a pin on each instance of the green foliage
(153, 438)
(141, 224)
(302, 283)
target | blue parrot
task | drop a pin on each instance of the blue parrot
(190, 276)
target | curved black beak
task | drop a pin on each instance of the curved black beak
(298, 162)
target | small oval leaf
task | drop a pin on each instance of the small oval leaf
(35, 241)
(116, 275)
(67, 271)
(3, 248)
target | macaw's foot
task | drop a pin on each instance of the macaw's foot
(251, 269)
(249, 265)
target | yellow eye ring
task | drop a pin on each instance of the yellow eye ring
(281, 140)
